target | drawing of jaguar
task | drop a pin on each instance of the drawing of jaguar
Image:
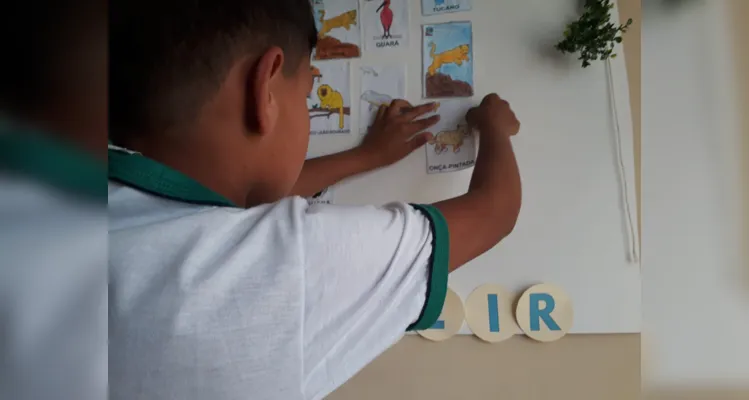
(453, 138)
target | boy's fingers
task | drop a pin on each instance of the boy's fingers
(470, 115)
(398, 106)
(420, 140)
(421, 124)
(415, 112)
(381, 111)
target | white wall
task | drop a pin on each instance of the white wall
(695, 296)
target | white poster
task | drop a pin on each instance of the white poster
(432, 7)
(379, 86)
(329, 102)
(385, 24)
(338, 30)
(453, 146)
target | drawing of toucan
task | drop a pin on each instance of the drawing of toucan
(386, 18)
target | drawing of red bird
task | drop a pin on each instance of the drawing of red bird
(386, 17)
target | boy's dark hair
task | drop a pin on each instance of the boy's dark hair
(167, 57)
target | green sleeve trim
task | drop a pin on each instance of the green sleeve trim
(439, 263)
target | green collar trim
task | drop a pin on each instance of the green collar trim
(37, 155)
(140, 172)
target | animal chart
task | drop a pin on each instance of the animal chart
(379, 86)
(448, 60)
(385, 24)
(432, 7)
(338, 33)
(329, 102)
(453, 144)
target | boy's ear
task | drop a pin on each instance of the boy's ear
(263, 86)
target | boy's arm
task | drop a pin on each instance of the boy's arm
(386, 143)
(373, 272)
(370, 274)
(322, 172)
(479, 219)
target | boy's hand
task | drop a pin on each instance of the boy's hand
(385, 143)
(494, 116)
(387, 140)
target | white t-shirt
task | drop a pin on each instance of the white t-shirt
(280, 301)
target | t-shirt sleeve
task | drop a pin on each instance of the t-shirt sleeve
(371, 273)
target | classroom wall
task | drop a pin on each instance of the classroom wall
(585, 367)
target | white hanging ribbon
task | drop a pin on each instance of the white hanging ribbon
(633, 251)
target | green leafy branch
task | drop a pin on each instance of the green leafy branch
(593, 36)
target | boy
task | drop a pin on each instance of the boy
(225, 284)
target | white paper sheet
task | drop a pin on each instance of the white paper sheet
(453, 146)
(385, 24)
(325, 196)
(329, 102)
(339, 33)
(447, 57)
(379, 86)
(433, 7)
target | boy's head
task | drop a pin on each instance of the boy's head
(225, 81)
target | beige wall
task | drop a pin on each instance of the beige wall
(579, 367)
(576, 367)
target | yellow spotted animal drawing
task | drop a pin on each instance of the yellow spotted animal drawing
(344, 20)
(331, 100)
(454, 139)
(456, 55)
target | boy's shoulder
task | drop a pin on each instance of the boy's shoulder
(131, 208)
(151, 236)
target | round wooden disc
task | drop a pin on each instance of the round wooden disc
(544, 313)
(449, 322)
(488, 312)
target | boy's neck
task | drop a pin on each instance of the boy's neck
(209, 165)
